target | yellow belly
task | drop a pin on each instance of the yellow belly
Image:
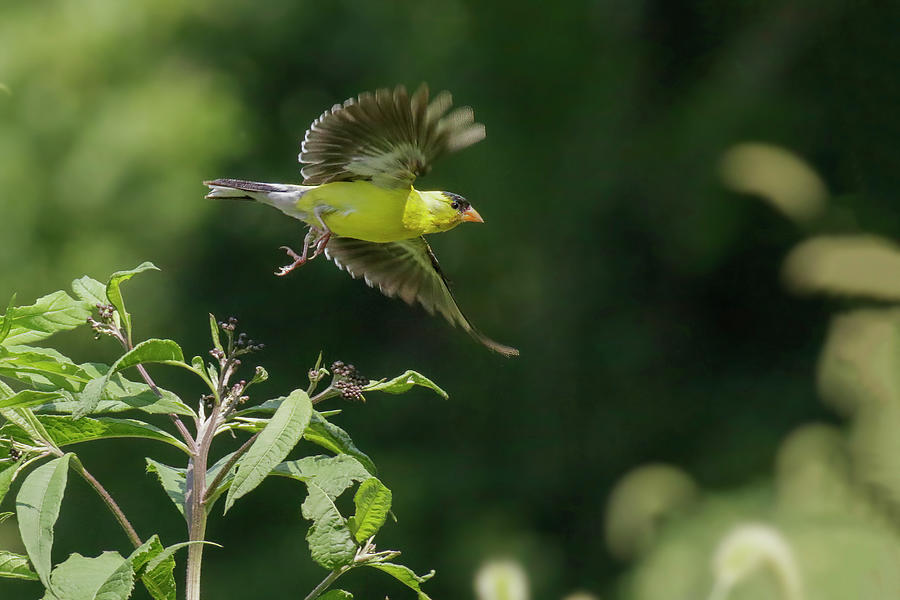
(362, 210)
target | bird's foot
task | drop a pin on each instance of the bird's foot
(299, 260)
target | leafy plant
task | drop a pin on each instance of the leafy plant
(51, 403)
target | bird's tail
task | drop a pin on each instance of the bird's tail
(239, 189)
(282, 196)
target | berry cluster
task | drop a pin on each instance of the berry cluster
(242, 343)
(14, 453)
(348, 381)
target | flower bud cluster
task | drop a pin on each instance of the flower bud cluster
(348, 381)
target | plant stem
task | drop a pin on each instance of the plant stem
(195, 502)
(325, 583)
(110, 503)
(185, 434)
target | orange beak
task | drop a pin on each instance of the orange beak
(470, 214)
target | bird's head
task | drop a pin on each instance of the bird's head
(447, 210)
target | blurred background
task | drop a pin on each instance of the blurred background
(668, 188)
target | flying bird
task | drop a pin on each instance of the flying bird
(360, 160)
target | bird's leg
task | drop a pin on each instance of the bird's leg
(324, 236)
(314, 237)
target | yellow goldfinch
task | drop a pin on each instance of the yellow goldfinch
(361, 158)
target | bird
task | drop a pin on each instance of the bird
(360, 159)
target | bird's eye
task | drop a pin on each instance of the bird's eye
(454, 205)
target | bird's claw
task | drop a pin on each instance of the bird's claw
(298, 261)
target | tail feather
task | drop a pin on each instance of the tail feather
(233, 188)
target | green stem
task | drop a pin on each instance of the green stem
(326, 583)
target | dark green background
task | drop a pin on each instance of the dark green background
(645, 298)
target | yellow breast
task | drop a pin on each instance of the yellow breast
(362, 210)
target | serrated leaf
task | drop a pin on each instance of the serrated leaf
(115, 294)
(37, 508)
(326, 434)
(48, 315)
(330, 542)
(333, 474)
(15, 566)
(6, 477)
(373, 503)
(105, 577)
(336, 595)
(274, 443)
(404, 575)
(148, 351)
(64, 431)
(160, 580)
(403, 383)
(90, 290)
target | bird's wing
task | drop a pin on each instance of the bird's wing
(387, 137)
(409, 270)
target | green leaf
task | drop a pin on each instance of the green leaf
(26, 421)
(48, 315)
(172, 480)
(105, 577)
(29, 398)
(330, 542)
(326, 434)
(6, 323)
(4, 516)
(402, 384)
(15, 566)
(148, 351)
(214, 332)
(333, 474)
(64, 431)
(42, 368)
(90, 290)
(373, 503)
(6, 477)
(115, 294)
(336, 595)
(121, 394)
(159, 580)
(273, 444)
(404, 575)
(37, 508)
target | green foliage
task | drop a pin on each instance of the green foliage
(276, 440)
(106, 577)
(57, 403)
(37, 508)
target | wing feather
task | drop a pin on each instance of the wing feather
(409, 270)
(388, 137)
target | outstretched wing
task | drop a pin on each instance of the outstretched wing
(387, 137)
(409, 270)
